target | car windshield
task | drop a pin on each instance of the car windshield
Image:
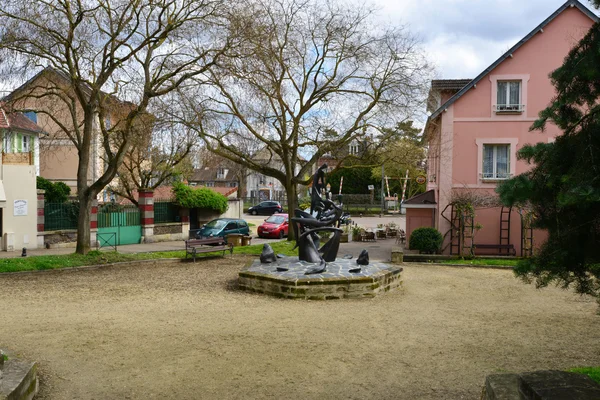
(276, 219)
(216, 224)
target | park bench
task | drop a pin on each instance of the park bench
(209, 245)
(509, 248)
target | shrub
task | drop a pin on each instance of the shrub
(55, 192)
(426, 240)
(203, 198)
(304, 203)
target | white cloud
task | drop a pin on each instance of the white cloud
(463, 37)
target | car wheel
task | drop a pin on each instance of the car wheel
(281, 234)
(254, 212)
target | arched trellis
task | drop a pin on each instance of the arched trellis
(460, 238)
(527, 219)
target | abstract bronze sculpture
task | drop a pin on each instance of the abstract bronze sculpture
(307, 225)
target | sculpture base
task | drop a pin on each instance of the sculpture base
(337, 282)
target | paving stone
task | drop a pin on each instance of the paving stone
(558, 385)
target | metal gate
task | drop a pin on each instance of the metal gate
(121, 221)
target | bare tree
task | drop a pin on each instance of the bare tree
(162, 154)
(103, 51)
(309, 78)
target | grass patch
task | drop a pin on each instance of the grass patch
(592, 372)
(38, 263)
(483, 262)
(282, 247)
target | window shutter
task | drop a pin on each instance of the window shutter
(19, 144)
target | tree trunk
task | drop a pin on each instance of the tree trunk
(84, 195)
(291, 190)
(83, 222)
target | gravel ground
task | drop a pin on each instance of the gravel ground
(183, 331)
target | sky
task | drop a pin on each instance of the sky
(463, 37)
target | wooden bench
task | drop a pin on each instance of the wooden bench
(197, 246)
(508, 247)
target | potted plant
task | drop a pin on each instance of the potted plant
(356, 236)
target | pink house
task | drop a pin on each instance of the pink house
(476, 128)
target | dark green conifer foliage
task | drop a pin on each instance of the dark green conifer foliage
(563, 187)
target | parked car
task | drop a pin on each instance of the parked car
(222, 227)
(276, 226)
(266, 208)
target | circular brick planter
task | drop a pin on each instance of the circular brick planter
(335, 283)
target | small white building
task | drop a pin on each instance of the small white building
(19, 166)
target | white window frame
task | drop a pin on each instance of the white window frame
(7, 142)
(495, 174)
(26, 144)
(221, 173)
(353, 148)
(512, 159)
(508, 107)
(209, 184)
(519, 114)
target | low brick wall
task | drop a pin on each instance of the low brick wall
(314, 288)
(167, 228)
(59, 239)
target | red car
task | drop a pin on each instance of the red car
(276, 226)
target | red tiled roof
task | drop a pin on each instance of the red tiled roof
(449, 84)
(16, 120)
(225, 191)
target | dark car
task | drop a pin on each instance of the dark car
(222, 227)
(266, 208)
(276, 226)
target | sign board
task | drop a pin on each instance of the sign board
(371, 187)
(20, 208)
(421, 179)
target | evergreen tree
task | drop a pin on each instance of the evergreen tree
(563, 187)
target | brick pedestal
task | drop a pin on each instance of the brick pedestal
(94, 224)
(40, 218)
(146, 205)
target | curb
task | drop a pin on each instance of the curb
(96, 266)
(477, 266)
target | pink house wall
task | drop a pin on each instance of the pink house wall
(418, 218)
(470, 122)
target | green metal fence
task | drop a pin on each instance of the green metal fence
(60, 216)
(165, 211)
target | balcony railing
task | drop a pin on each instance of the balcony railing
(491, 176)
(18, 158)
(509, 108)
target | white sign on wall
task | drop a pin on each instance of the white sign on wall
(20, 208)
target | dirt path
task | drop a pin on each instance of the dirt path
(181, 331)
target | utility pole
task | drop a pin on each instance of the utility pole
(382, 188)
